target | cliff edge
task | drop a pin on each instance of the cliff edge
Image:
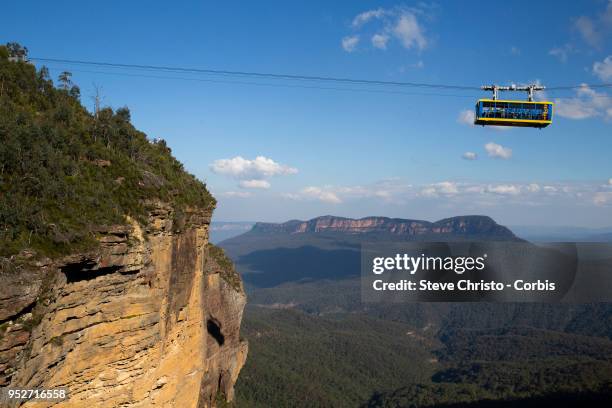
(467, 225)
(109, 286)
(152, 317)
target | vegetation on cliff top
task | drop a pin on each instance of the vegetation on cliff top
(65, 171)
(228, 271)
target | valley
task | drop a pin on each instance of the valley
(314, 343)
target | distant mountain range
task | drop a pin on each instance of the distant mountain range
(328, 247)
(472, 226)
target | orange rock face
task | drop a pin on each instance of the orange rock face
(146, 320)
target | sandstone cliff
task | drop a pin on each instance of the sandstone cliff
(150, 318)
(472, 225)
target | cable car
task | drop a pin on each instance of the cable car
(513, 112)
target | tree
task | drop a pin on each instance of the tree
(97, 100)
(64, 80)
(56, 183)
(16, 50)
(75, 92)
(124, 114)
(104, 119)
(4, 54)
(43, 74)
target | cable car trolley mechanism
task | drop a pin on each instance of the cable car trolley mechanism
(501, 112)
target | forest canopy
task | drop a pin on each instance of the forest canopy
(64, 171)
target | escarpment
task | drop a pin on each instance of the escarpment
(151, 317)
(471, 225)
(108, 285)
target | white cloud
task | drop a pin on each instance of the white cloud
(462, 190)
(291, 196)
(603, 69)
(550, 189)
(469, 156)
(498, 151)
(387, 190)
(234, 194)
(349, 43)
(507, 189)
(459, 194)
(241, 168)
(320, 194)
(604, 194)
(514, 50)
(390, 190)
(399, 23)
(602, 198)
(263, 184)
(466, 117)
(563, 52)
(533, 188)
(594, 30)
(447, 188)
(472, 189)
(586, 28)
(587, 103)
(251, 173)
(575, 109)
(428, 192)
(366, 16)
(380, 41)
(408, 30)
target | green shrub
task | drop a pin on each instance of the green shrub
(65, 171)
(228, 272)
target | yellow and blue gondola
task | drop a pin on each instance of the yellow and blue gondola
(513, 113)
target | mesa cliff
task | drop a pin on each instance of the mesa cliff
(472, 225)
(150, 318)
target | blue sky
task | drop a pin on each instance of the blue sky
(276, 150)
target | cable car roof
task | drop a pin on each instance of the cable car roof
(514, 101)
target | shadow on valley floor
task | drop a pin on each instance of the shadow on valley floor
(271, 267)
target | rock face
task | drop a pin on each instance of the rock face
(151, 318)
(472, 225)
